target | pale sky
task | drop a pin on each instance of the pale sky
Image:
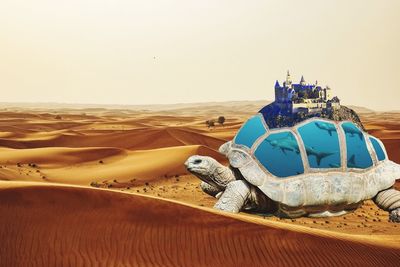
(174, 51)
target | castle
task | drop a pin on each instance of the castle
(303, 97)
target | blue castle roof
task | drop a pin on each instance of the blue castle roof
(299, 87)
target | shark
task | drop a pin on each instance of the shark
(351, 163)
(318, 155)
(330, 128)
(352, 130)
(285, 144)
(290, 144)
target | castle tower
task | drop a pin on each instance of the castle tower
(321, 93)
(288, 79)
(328, 93)
(302, 81)
(278, 91)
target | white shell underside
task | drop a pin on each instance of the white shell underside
(331, 188)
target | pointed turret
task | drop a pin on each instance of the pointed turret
(288, 79)
(302, 81)
(277, 85)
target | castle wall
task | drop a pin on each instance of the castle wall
(284, 94)
(308, 107)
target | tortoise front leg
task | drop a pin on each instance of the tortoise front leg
(389, 200)
(234, 197)
(210, 189)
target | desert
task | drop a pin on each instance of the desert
(106, 186)
(199, 133)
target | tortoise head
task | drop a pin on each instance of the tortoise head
(200, 165)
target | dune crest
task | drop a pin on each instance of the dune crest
(85, 165)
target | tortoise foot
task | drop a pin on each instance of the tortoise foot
(394, 215)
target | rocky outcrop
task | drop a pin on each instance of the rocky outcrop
(275, 118)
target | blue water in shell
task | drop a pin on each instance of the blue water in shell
(250, 131)
(378, 149)
(321, 142)
(280, 154)
(357, 152)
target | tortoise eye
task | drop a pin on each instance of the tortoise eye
(197, 161)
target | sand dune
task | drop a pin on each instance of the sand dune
(87, 165)
(130, 151)
(142, 138)
(62, 225)
(51, 156)
(385, 126)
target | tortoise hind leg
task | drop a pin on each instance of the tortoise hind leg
(234, 197)
(394, 215)
(389, 200)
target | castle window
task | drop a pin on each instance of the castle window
(279, 153)
(357, 153)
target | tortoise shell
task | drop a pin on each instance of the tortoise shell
(315, 162)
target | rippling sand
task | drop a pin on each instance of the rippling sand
(107, 187)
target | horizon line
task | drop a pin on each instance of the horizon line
(11, 103)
